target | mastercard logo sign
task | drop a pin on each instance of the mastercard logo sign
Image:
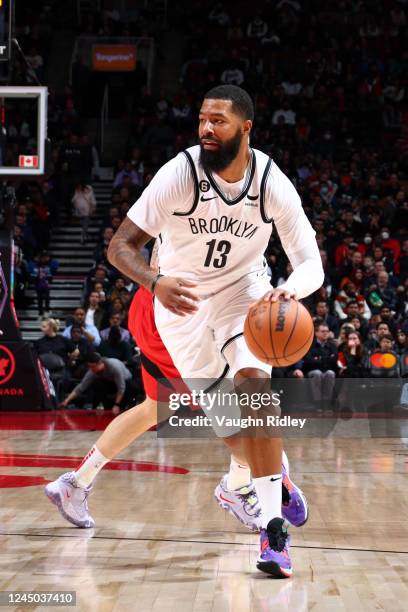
(383, 360)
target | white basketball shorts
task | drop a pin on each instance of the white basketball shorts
(209, 344)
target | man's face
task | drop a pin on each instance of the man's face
(386, 344)
(322, 333)
(94, 299)
(76, 334)
(382, 279)
(80, 315)
(115, 321)
(321, 309)
(385, 313)
(357, 258)
(96, 367)
(108, 234)
(100, 275)
(220, 131)
(352, 310)
(382, 330)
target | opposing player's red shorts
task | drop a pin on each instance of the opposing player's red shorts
(156, 361)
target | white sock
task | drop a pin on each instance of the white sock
(269, 491)
(91, 464)
(238, 476)
(285, 461)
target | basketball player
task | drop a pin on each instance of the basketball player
(213, 206)
(235, 492)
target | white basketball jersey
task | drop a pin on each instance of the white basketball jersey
(219, 239)
(214, 232)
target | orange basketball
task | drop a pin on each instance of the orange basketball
(279, 333)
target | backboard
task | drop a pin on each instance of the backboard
(23, 130)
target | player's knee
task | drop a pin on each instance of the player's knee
(251, 374)
(256, 385)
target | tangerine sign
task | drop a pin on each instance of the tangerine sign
(114, 58)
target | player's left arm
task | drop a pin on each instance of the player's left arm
(297, 237)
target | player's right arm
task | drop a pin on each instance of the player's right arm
(168, 191)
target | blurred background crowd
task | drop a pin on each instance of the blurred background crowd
(329, 81)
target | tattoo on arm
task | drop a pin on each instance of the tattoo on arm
(125, 253)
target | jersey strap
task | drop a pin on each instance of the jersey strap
(196, 188)
(262, 193)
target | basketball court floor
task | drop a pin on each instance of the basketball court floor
(162, 543)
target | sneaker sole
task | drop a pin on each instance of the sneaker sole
(228, 508)
(55, 499)
(274, 569)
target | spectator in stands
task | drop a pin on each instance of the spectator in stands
(108, 377)
(323, 315)
(88, 331)
(351, 358)
(84, 205)
(51, 342)
(41, 271)
(127, 171)
(381, 329)
(54, 352)
(115, 321)
(320, 365)
(401, 345)
(107, 236)
(354, 311)
(387, 316)
(347, 295)
(383, 294)
(81, 349)
(344, 331)
(95, 314)
(98, 274)
(114, 346)
(118, 285)
(386, 343)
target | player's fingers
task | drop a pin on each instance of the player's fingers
(182, 305)
(185, 305)
(279, 295)
(186, 283)
(175, 310)
(188, 294)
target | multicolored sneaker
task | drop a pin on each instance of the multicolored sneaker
(274, 555)
(242, 503)
(294, 503)
(71, 500)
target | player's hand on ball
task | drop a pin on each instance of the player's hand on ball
(175, 295)
(279, 293)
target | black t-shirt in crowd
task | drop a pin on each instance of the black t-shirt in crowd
(58, 345)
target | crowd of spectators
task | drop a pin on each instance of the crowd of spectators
(329, 84)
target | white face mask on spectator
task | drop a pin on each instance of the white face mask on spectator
(368, 239)
(385, 235)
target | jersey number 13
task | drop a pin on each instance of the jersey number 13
(217, 253)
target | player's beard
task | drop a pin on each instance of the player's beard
(218, 160)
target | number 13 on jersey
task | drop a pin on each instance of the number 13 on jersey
(221, 251)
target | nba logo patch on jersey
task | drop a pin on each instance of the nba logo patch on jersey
(204, 186)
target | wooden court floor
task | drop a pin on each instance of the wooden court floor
(161, 543)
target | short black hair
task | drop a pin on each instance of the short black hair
(241, 100)
(93, 358)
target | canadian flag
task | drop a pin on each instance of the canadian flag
(28, 161)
